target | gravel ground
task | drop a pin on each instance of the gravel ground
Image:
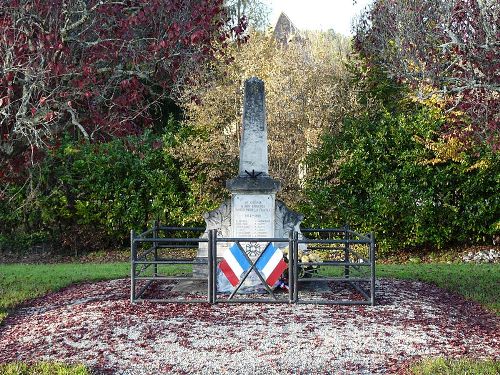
(95, 324)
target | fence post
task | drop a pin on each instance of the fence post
(290, 266)
(346, 251)
(133, 258)
(372, 269)
(155, 244)
(295, 267)
(214, 265)
(210, 254)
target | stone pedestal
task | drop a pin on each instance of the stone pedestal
(284, 221)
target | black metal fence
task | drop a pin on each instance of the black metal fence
(164, 255)
(325, 266)
(349, 260)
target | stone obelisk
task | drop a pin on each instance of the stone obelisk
(253, 149)
(253, 210)
(253, 191)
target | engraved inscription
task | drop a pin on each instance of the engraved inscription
(253, 215)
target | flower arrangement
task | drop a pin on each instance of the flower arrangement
(304, 270)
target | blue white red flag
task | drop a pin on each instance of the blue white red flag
(271, 264)
(234, 264)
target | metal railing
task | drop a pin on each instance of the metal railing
(357, 266)
(348, 262)
(162, 251)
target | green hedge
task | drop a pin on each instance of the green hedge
(87, 196)
(378, 175)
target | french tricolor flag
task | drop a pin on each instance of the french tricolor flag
(271, 264)
(234, 264)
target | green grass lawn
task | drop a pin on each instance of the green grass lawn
(20, 282)
(479, 282)
(43, 368)
(441, 366)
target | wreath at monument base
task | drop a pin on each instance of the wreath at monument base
(305, 271)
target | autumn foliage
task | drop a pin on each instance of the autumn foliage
(96, 69)
(448, 49)
(308, 91)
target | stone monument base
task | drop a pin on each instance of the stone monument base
(285, 221)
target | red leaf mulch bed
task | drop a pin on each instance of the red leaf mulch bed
(96, 325)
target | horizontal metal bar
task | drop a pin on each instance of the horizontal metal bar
(175, 261)
(335, 241)
(169, 278)
(313, 248)
(322, 230)
(169, 240)
(189, 229)
(172, 300)
(194, 246)
(332, 263)
(326, 278)
(334, 302)
(252, 300)
(334, 230)
(184, 260)
(249, 239)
